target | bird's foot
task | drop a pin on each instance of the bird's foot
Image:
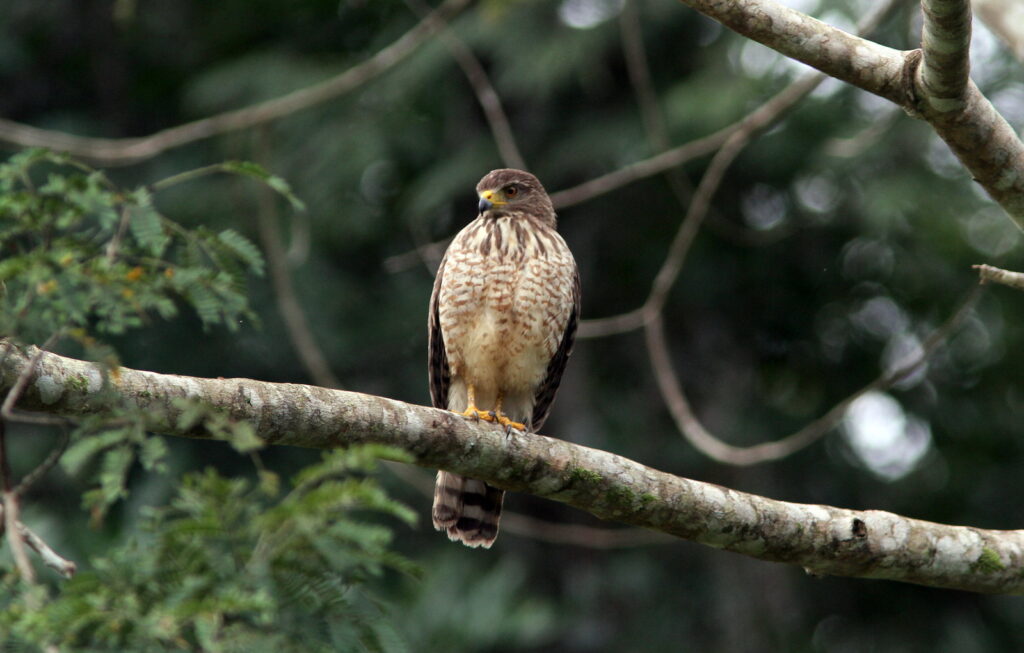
(475, 413)
(508, 423)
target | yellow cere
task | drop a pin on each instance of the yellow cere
(493, 197)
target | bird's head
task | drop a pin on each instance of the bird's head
(513, 192)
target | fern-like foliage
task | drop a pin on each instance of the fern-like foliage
(230, 566)
(82, 256)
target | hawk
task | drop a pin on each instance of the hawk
(501, 326)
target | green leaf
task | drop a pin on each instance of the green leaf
(82, 452)
(243, 438)
(258, 172)
(152, 453)
(192, 412)
(147, 225)
(243, 248)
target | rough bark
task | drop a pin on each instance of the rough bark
(822, 539)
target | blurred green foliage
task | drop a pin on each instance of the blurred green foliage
(232, 566)
(837, 242)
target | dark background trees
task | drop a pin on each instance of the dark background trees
(836, 243)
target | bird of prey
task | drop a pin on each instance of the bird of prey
(501, 326)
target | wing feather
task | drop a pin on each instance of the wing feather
(546, 391)
(437, 357)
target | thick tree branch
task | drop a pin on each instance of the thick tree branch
(863, 63)
(946, 43)
(980, 137)
(478, 80)
(822, 539)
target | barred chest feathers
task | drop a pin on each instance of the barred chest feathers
(505, 300)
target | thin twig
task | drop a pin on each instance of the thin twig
(122, 228)
(588, 190)
(428, 252)
(999, 275)
(635, 53)
(50, 558)
(740, 134)
(301, 336)
(14, 536)
(713, 447)
(10, 503)
(654, 165)
(482, 88)
(42, 468)
(121, 151)
(754, 123)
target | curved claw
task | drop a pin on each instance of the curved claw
(475, 413)
(509, 424)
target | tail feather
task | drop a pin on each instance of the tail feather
(468, 509)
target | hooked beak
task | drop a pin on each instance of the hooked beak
(490, 199)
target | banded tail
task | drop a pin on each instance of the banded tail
(467, 509)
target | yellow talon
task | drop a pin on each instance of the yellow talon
(475, 413)
(503, 419)
(472, 411)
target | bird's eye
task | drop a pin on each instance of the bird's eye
(512, 191)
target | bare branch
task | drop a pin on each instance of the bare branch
(863, 63)
(946, 44)
(50, 558)
(640, 75)
(822, 539)
(626, 175)
(981, 138)
(760, 119)
(10, 505)
(998, 275)
(424, 253)
(121, 151)
(740, 135)
(42, 468)
(649, 167)
(301, 336)
(713, 447)
(485, 93)
(15, 538)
